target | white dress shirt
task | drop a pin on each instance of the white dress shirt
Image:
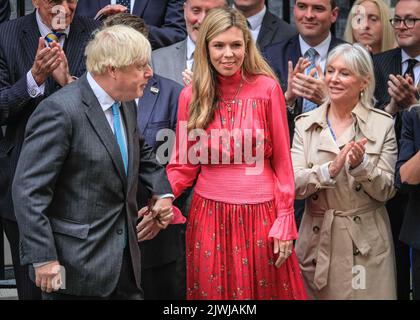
(321, 48)
(106, 103)
(404, 66)
(255, 23)
(190, 53)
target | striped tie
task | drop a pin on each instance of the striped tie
(311, 55)
(118, 133)
(410, 69)
(53, 36)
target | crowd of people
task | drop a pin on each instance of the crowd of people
(203, 149)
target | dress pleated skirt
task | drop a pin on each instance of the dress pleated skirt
(230, 257)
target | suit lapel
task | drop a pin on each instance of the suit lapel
(267, 31)
(182, 54)
(101, 126)
(128, 114)
(396, 63)
(139, 6)
(146, 105)
(29, 37)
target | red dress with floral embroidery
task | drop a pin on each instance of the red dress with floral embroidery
(243, 195)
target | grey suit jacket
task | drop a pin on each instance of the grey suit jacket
(73, 201)
(169, 62)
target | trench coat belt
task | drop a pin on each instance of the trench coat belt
(324, 245)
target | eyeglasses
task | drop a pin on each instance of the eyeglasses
(408, 22)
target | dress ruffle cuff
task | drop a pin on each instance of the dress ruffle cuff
(284, 227)
(178, 216)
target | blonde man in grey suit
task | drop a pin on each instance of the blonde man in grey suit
(76, 180)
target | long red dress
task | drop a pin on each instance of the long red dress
(237, 206)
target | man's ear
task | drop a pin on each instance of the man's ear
(334, 14)
(35, 3)
(111, 72)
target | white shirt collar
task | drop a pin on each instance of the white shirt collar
(44, 29)
(256, 20)
(405, 56)
(321, 48)
(104, 98)
(190, 48)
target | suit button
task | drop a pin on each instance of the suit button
(314, 262)
(357, 219)
(315, 197)
(315, 229)
(119, 231)
(310, 165)
(358, 187)
(356, 252)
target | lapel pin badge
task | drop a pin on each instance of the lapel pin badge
(154, 90)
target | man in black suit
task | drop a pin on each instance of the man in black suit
(265, 27)
(4, 10)
(164, 18)
(31, 68)
(313, 21)
(397, 74)
(407, 180)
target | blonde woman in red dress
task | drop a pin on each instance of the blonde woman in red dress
(241, 223)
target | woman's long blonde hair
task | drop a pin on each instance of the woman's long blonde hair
(388, 37)
(204, 98)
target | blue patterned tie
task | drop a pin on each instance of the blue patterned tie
(125, 3)
(118, 133)
(311, 55)
(54, 36)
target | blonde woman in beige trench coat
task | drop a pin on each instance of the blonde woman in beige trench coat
(344, 155)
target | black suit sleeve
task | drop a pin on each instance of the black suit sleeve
(14, 96)
(152, 174)
(407, 150)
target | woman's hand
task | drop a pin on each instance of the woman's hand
(284, 249)
(335, 167)
(356, 153)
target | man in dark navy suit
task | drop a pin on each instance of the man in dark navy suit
(33, 66)
(164, 18)
(313, 21)
(163, 263)
(162, 258)
(407, 181)
(265, 27)
(397, 75)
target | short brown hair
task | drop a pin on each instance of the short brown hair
(129, 20)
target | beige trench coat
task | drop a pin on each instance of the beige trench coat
(345, 247)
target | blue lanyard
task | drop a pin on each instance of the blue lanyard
(331, 130)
